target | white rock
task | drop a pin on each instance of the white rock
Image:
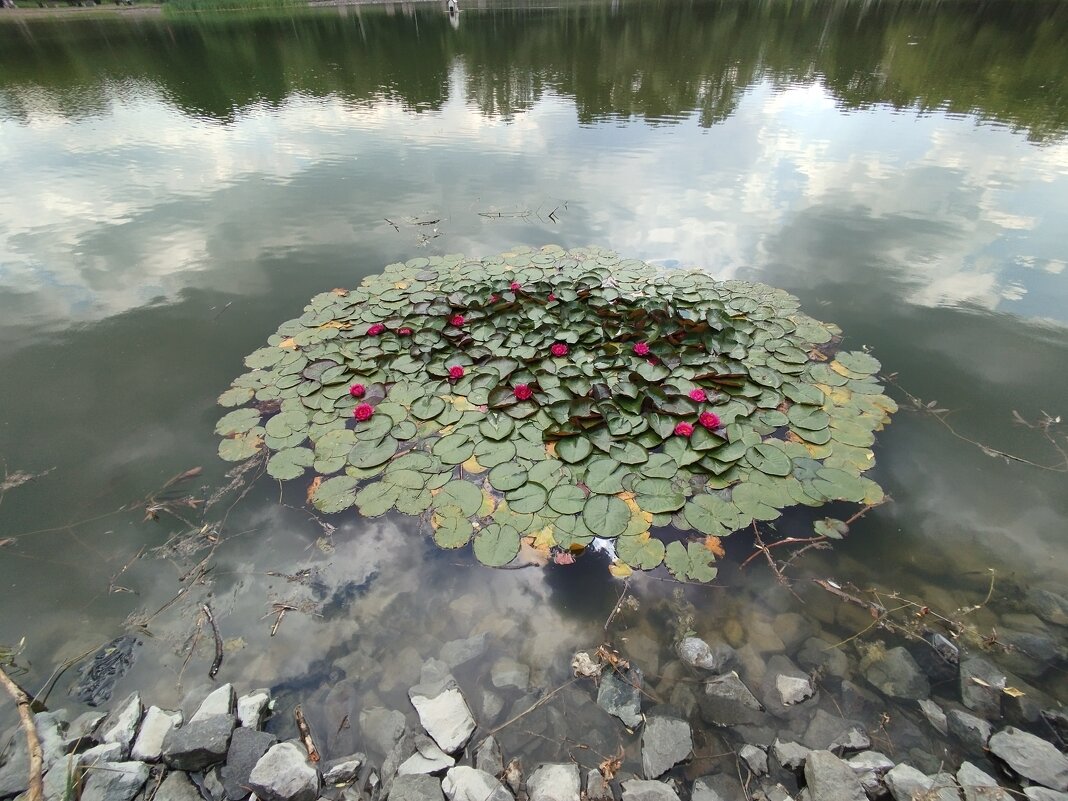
(446, 717)
(253, 708)
(149, 743)
(470, 784)
(556, 782)
(121, 725)
(283, 774)
(218, 702)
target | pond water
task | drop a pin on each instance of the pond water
(176, 188)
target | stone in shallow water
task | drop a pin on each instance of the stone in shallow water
(416, 787)
(457, 652)
(252, 708)
(488, 757)
(470, 784)
(982, 696)
(620, 695)
(1044, 794)
(934, 714)
(870, 767)
(829, 778)
(726, 701)
(554, 782)
(428, 758)
(980, 786)
(220, 701)
(697, 653)
(896, 674)
(114, 781)
(121, 725)
(720, 787)
(789, 755)
(1031, 757)
(344, 769)
(755, 757)
(666, 741)
(1049, 606)
(905, 782)
(14, 764)
(445, 717)
(597, 789)
(381, 728)
(972, 731)
(149, 743)
(508, 672)
(176, 786)
(199, 745)
(247, 746)
(648, 790)
(284, 774)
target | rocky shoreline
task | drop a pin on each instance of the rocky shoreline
(221, 751)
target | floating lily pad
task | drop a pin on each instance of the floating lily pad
(680, 400)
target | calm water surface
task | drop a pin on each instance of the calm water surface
(174, 189)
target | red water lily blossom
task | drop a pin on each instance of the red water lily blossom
(515, 286)
(684, 429)
(357, 390)
(641, 349)
(523, 392)
(376, 329)
(456, 320)
(709, 420)
(558, 349)
(363, 412)
(552, 296)
(698, 395)
(493, 298)
(404, 332)
(456, 372)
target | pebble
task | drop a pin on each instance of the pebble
(697, 653)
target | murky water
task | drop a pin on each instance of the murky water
(174, 189)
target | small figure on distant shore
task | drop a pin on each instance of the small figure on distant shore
(454, 7)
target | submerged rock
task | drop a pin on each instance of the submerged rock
(554, 782)
(720, 787)
(283, 774)
(446, 717)
(456, 652)
(416, 787)
(381, 728)
(508, 672)
(756, 758)
(428, 758)
(980, 786)
(99, 676)
(972, 731)
(488, 756)
(870, 767)
(934, 714)
(666, 741)
(344, 769)
(620, 695)
(905, 782)
(697, 653)
(789, 755)
(597, 789)
(648, 790)
(1031, 757)
(896, 674)
(727, 701)
(1049, 606)
(982, 696)
(829, 778)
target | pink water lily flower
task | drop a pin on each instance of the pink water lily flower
(684, 429)
(709, 420)
(456, 320)
(523, 392)
(357, 390)
(552, 296)
(558, 349)
(698, 395)
(456, 372)
(376, 329)
(493, 298)
(641, 349)
(515, 286)
(404, 332)
(363, 412)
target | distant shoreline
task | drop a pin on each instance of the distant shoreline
(156, 9)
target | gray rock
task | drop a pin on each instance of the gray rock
(14, 764)
(61, 780)
(647, 790)
(905, 782)
(105, 752)
(456, 652)
(492, 706)
(402, 749)
(416, 787)
(252, 708)
(859, 703)
(825, 656)
(980, 786)
(621, 696)
(784, 685)
(1049, 606)
(597, 789)
(829, 778)
(381, 728)
(854, 739)
(793, 629)
(826, 730)
(776, 792)
(148, 745)
(198, 745)
(896, 674)
(726, 701)
(1044, 794)
(697, 653)
(554, 782)
(793, 689)
(247, 746)
(973, 732)
(666, 742)
(982, 696)
(211, 784)
(1030, 655)
(428, 758)
(121, 725)
(343, 770)
(944, 788)
(789, 755)
(220, 701)
(870, 767)
(444, 715)
(507, 672)
(50, 736)
(720, 787)
(283, 774)
(755, 757)
(463, 783)
(1031, 757)
(115, 781)
(934, 714)
(488, 757)
(84, 728)
(176, 786)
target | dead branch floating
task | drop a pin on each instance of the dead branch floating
(305, 734)
(33, 745)
(217, 662)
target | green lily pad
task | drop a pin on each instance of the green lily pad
(507, 477)
(640, 551)
(496, 545)
(658, 495)
(335, 494)
(463, 495)
(530, 498)
(238, 422)
(691, 562)
(605, 515)
(290, 463)
(567, 499)
(454, 448)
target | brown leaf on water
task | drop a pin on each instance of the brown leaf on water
(313, 487)
(611, 765)
(715, 546)
(1012, 692)
(337, 324)
(340, 292)
(620, 569)
(20, 477)
(288, 344)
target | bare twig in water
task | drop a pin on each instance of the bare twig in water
(544, 699)
(33, 745)
(619, 603)
(18, 478)
(217, 662)
(305, 734)
(279, 610)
